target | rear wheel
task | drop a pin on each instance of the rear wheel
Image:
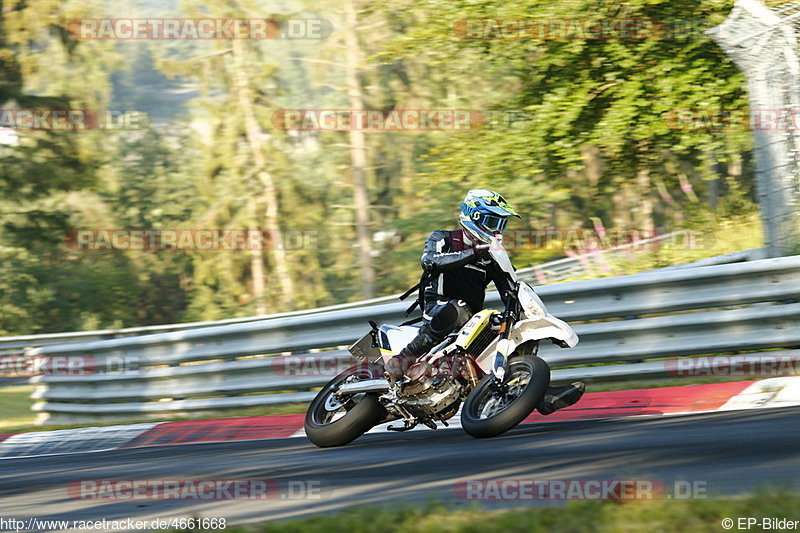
(335, 419)
(493, 408)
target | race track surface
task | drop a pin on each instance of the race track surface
(729, 452)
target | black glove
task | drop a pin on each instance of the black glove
(482, 252)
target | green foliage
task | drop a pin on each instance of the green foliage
(710, 238)
(562, 96)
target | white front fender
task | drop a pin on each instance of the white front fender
(530, 329)
(545, 327)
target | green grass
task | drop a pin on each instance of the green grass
(15, 408)
(694, 516)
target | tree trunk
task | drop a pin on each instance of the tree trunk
(621, 216)
(592, 164)
(645, 213)
(358, 155)
(257, 263)
(254, 136)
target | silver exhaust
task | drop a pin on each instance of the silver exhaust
(367, 385)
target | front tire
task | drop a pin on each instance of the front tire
(488, 412)
(327, 426)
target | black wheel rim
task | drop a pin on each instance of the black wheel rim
(334, 406)
(495, 399)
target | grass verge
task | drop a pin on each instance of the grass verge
(695, 516)
(15, 408)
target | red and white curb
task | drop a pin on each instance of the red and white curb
(775, 392)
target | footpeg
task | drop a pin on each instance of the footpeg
(406, 426)
(431, 424)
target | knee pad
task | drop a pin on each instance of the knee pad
(447, 316)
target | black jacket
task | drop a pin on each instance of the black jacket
(455, 271)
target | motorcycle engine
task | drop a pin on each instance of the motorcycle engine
(429, 392)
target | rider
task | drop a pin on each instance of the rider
(457, 268)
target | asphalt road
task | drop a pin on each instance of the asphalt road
(729, 452)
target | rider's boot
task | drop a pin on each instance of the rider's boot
(559, 397)
(419, 346)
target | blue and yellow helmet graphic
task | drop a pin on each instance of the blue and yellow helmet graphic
(485, 213)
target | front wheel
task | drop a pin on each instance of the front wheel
(335, 419)
(493, 408)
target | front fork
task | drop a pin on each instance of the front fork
(501, 359)
(504, 346)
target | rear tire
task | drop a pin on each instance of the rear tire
(478, 417)
(362, 411)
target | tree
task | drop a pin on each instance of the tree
(606, 99)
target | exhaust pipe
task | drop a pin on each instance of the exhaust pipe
(367, 385)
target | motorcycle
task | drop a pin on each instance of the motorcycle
(490, 364)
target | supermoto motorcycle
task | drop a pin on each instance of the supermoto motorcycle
(490, 365)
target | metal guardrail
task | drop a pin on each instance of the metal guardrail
(20, 344)
(550, 272)
(628, 320)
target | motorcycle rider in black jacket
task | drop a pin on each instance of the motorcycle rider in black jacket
(457, 268)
